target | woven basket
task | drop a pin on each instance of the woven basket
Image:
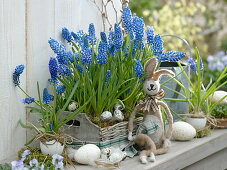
(86, 132)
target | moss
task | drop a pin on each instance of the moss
(200, 133)
(45, 159)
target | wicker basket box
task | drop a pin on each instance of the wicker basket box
(86, 132)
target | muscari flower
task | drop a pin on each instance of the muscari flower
(34, 163)
(138, 68)
(17, 165)
(192, 64)
(150, 35)
(86, 57)
(108, 74)
(66, 34)
(47, 98)
(138, 28)
(118, 37)
(28, 100)
(111, 43)
(60, 89)
(57, 47)
(16, 74)
(171, 56)
(157, 45)
(53, 69)
(102, 53)
(64, 70)
(103, 37)
(218, 61)
(57, 161)
(127, 21)
(91, 34)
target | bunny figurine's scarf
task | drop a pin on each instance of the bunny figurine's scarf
(149, 103)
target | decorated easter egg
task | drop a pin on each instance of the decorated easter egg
(105, 116)
(183, 131)
(118, 115)
(87, 154)
(73, 106)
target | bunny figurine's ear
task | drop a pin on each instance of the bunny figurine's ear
(161, 72)
(150, 67)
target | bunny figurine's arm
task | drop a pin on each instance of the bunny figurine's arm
(170, 119)
(130, 121)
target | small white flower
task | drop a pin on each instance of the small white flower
(57, 161)
(34, 163)
(25, 154)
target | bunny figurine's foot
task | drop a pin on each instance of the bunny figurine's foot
(152, 157)
(167, 143)
(143, 159)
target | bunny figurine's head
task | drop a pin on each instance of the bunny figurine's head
(151, 84)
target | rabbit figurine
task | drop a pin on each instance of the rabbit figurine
(150, 107)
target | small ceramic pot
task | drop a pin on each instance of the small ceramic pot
(51, 147)
(197, 123)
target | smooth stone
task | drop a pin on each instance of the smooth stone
(87, 154)
(218, 95)
(51, 147)
(183, 131)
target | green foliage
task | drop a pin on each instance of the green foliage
(5, 167)
(123, 86)
(224, 44)
(198, 95)
(220, 111)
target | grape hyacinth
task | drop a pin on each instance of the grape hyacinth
(16, 74)
(138, 69)
(103, 37)
(57, 47)
(28, 100)
(53, 69)
(118, 37)
(47, 98)
(61, 59)
(58, 161)
(79, 68)
(60, 89)
(86, 57)
(69, 56)
(66, 35)
(102, 53)
(64, 70)
(150, 35)
(111, 43)
(138, 28)
(127, 22)
(91, 34)
(157, 45)
(108, 74)
(192, 64)
(171, 56)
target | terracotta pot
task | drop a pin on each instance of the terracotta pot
(51, 147)
(221, 124)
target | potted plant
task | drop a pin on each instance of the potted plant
(198, 96)
(110, 71)
(220, 114)
(50, 108)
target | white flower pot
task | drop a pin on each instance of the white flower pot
(197, 123)
(51, 147)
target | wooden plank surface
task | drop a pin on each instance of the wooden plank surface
(180, 155)
(12, 53)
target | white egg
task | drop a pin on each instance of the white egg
(87, 154)
(105, 116)
(218, 95)
(183, 131)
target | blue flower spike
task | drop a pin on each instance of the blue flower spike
(47, 98)
(66, 35)
(53, 69)
(16, 74)
(139, 69)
